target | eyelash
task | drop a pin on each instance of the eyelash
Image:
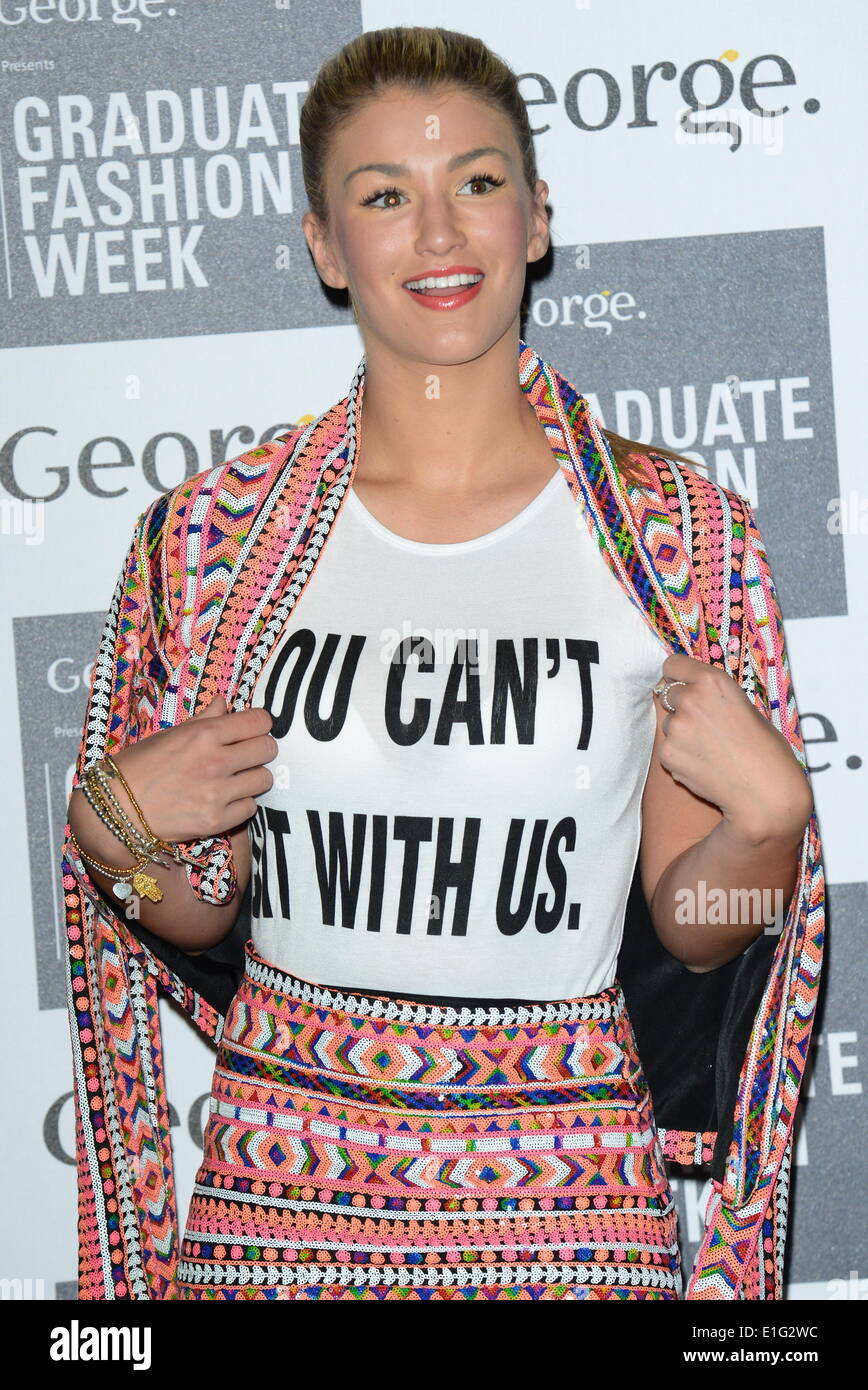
(474, 178)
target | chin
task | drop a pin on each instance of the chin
(448, 345)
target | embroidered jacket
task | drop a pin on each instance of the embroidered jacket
(214, 570)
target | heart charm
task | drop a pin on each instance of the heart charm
(122, 890)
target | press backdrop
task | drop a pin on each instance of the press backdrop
(161, 314)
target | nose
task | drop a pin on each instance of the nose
(439, 229)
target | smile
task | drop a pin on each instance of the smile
(448, 290)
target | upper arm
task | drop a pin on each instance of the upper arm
(673, 818)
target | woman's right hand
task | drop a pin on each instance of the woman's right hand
(201, 778)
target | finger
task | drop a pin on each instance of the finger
(250, 752)
(253, 782)
(667, 697)
(245, 723)
(679, 666)
(244, 790)
(217, 707)
(239, 812)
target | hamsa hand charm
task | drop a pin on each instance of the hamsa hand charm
(147, 887)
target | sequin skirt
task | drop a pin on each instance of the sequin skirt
(362, 1146)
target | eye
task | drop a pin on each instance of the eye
(373, 198)
(485, 178)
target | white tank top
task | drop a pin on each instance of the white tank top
(465, 732)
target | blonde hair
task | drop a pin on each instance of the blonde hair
(414, 57)
(626, 450)
(421, 59)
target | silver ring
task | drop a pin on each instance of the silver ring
(662, 688)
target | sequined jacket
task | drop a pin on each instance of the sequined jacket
(213, 572)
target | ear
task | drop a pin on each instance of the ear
(538, 238)
(320, 248)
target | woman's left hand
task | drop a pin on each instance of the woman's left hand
(723, 749)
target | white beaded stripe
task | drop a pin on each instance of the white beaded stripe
(431, 1277)
(447, 1144)
(556, 1011)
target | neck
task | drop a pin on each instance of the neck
(431, 426)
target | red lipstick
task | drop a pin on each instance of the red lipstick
(450, 297)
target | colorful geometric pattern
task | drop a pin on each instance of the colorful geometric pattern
(354, 1156)
(214, 571)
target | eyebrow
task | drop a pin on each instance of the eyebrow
(455, 162)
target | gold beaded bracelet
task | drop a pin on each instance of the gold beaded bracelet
(146, 847)
(171, 847)
(130, 878)
(106, 805)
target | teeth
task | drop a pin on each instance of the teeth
(442, 282)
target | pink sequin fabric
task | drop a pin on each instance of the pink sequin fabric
(363, 1148)
(213, 572)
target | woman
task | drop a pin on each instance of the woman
(427, 1083)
